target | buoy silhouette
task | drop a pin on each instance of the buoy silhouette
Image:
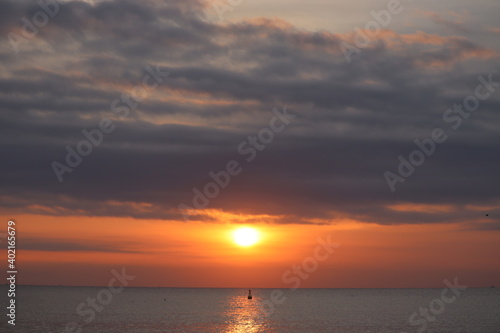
(249, 294)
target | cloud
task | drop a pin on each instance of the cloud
(224, 81)
(55, 245)
(453, 21)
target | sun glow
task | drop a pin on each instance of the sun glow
(245, 236)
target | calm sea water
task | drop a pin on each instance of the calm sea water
(140, 310)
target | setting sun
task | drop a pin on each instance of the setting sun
(245, 236)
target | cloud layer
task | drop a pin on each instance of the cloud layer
(224, 81)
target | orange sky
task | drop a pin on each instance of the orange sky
(83, 250)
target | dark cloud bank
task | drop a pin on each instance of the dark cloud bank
(224, 80)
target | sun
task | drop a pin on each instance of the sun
(245, 236)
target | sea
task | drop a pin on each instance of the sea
(145, 310)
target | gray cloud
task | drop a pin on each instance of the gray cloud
(224, 81)
(63, 246)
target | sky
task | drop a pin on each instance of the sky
(140, 135)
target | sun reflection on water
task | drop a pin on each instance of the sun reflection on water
(244, 315)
